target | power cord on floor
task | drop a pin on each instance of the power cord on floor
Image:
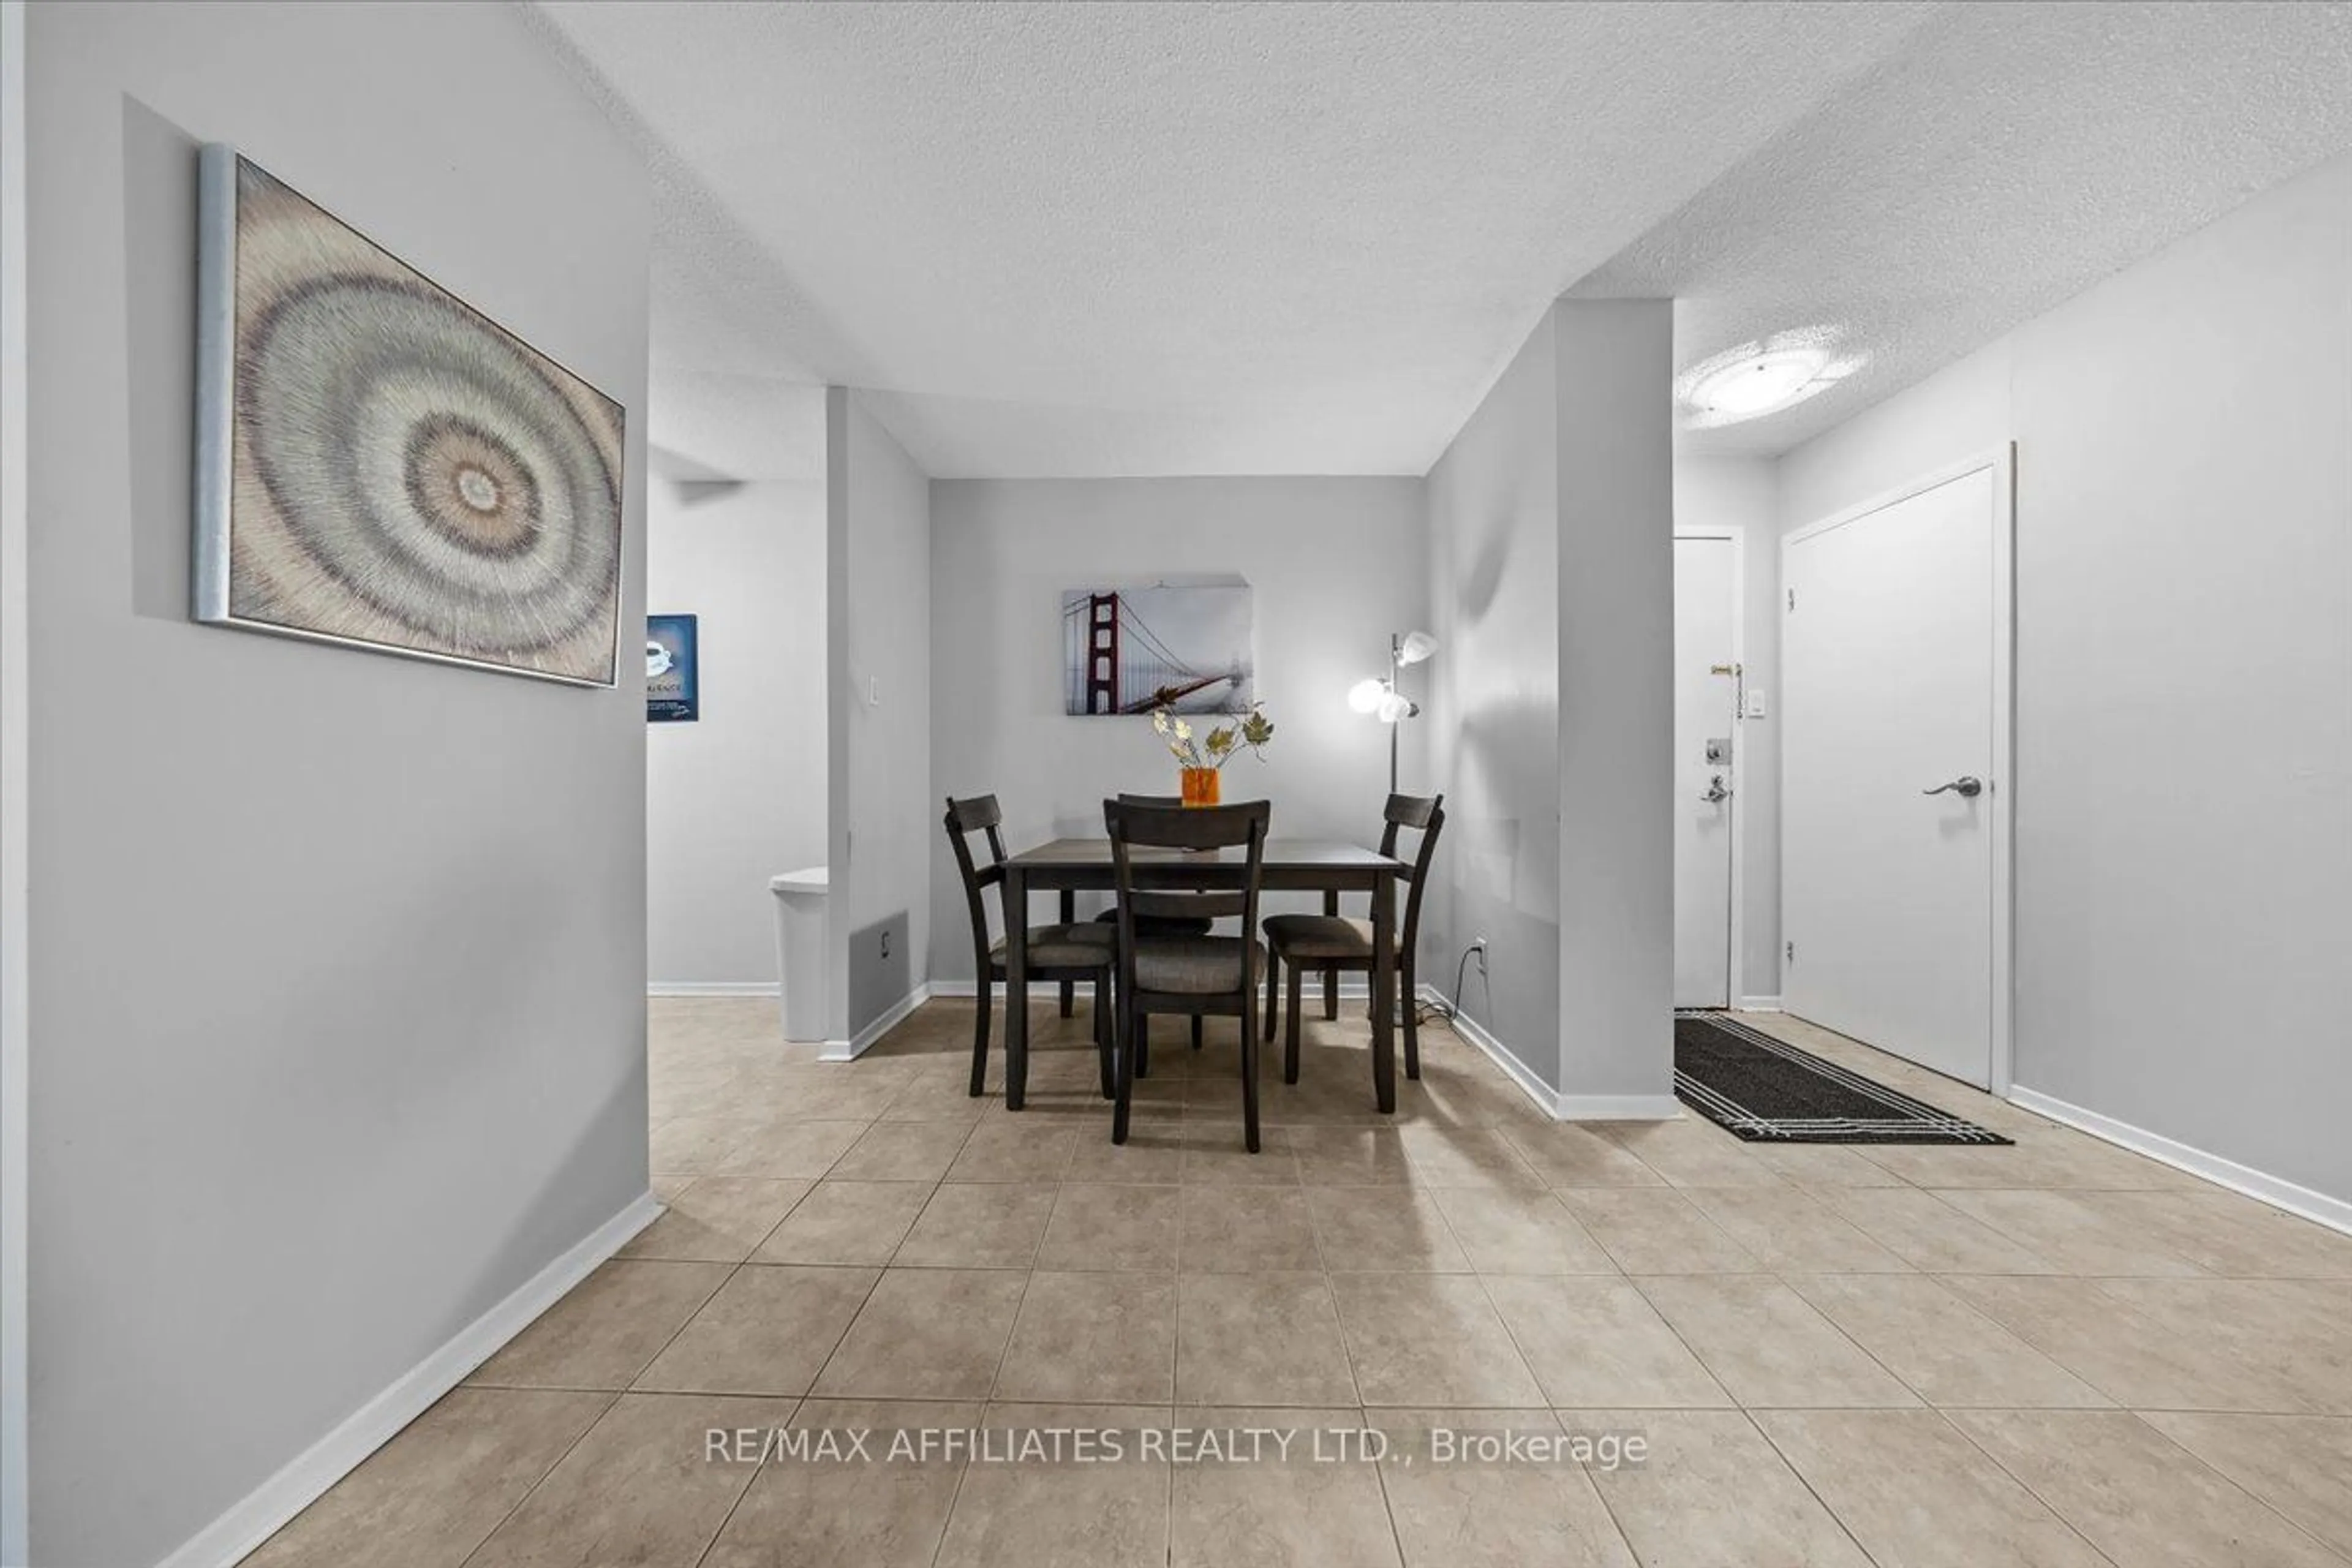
(1452, 1006)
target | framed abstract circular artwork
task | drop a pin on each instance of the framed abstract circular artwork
(380, 465)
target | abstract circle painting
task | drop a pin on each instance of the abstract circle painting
(382, 465)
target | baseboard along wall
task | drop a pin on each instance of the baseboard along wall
(259, 1514)
(2276, 1191)
(1559, 1106)
(713, 988)
(893, 1015)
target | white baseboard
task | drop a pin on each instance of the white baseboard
(1038, 989)
(711, 988)
(1353, 988)
(1618, 1108)
(252, 1521)
(1545, 1097)
(892, 1016)
(2318, 1207)
(1759, 1003)
(1550, 1102)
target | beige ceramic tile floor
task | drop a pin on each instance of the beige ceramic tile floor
(2054, 1355)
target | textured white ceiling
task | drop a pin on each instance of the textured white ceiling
(2007, 159)
(1303, 239)
(1169, 239)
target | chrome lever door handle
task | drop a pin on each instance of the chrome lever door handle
(1716, 793)
(1968, 785)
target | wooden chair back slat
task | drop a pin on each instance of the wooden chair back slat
(1411, 810)
(1187, 827)
(1420, 814)
(980, 813)
(1432, 815)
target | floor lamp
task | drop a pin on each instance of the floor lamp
(1381, 699)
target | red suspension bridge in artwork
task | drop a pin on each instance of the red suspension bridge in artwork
(1124, 667)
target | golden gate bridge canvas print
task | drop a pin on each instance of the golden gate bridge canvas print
(1131, 650)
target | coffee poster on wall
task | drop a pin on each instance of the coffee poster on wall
(673, 693)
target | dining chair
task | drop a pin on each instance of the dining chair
(1066, 951)
(1154, 925)
(1191, 974)
(1335, 944)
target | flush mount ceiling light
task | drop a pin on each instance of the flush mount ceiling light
(1763, 377)
(1760, 386)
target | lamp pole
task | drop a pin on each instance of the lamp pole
(1396, 662)
(1380, 698)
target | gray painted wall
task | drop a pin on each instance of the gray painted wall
(883, 684)
(1334, 565)
(1493, 573)
(739, 795)
(2184, 646)
(337, 960)
(1614, 364)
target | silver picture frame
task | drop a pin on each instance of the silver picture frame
(226, 501)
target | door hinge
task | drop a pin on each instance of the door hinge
(1792, 952)
(1792, 600)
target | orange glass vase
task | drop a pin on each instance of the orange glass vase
(1200, 786)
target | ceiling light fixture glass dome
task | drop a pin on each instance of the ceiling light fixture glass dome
(1764, 376)
(1752, 386)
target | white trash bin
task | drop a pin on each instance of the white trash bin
(799, 949)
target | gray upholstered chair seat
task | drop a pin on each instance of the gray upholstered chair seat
(1321, 937)
(1191, 964)
(1081, 946)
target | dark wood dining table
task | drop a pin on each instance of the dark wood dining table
(1288, 865)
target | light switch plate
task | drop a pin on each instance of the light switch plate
(1756, 705)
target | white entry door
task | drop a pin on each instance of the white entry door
(1707, 585)
(1894, 803)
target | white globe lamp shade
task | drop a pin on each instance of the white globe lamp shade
(1365, 696)
(1393, 707)
(1764, 383)
(1415, 648)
